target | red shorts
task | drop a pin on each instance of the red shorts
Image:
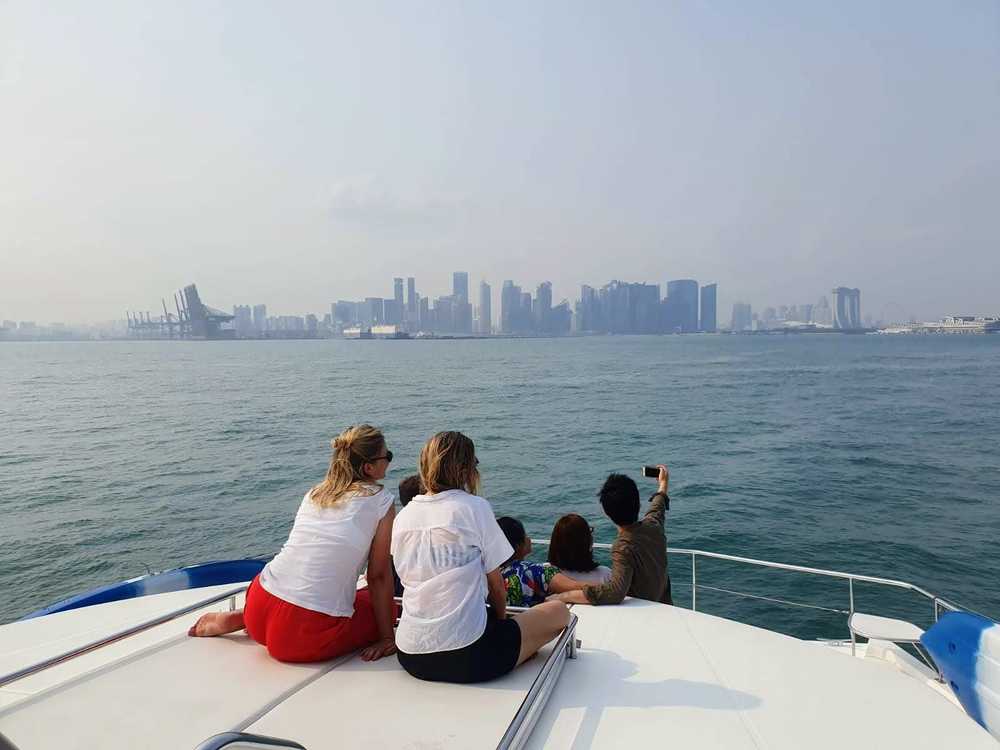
(297, 634)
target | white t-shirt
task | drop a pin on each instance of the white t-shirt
(326, 551)
(443, 545)
(600, 574)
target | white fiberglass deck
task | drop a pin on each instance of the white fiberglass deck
(646, 674)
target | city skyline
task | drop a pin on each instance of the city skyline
(777, 150)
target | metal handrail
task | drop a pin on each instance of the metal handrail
(120, 635)
(218, 741)
(521, 725)
(937, 602)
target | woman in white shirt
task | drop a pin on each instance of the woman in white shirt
(305, 605)
(448, 551)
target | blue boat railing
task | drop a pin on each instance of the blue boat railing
(199, 576)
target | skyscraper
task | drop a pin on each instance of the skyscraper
(460, 285)
(542, 308)
(846, 308)
(397, 288)
(709, 323)
(682, 306)
(510, 303)
(485, 309)
(742, 317)
(411, 295)
(243, 321)
(260, 319)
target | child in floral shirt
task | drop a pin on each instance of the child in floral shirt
(529, 583)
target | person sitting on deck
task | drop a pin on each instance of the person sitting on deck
(528, 583)
(639, 554)
(571, 550)
(448, 550)
(408, 489)
(305, 606)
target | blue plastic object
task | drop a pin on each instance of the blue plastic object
(956, 643)
(178, 579)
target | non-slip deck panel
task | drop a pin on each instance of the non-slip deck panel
(170, 697)
(378, 705)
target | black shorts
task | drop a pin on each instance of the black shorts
(493, 655)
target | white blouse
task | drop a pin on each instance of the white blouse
(326, 551)
(442, 546)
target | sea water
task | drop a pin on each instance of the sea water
(869, 454)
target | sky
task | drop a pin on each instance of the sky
(297, 153)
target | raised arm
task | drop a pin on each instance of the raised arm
(659, 502)
(380, 584)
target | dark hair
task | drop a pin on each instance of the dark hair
(620, 499)
(513, 530)
(409, 488)
(570, 545)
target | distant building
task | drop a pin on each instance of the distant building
(260, 319)
(682, 303)
(243, 321)
(423, 315)
(371, 311)
(821, 313)
(397, 288)
(460, 285)
(846, 308)
(708, 322)
(485, 309)
(542, 308)
(588, 311)
(742, 317)
(345, 312)
(392, 312)
(510, 304)
(312, 324)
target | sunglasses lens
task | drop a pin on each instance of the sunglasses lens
(388, 455)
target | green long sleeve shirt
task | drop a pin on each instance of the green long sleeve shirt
(638, 560)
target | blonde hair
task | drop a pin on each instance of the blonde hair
(352, 449)
(448, 462)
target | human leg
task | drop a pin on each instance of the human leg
(539, 625)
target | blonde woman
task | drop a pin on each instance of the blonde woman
(448, 551)
(304, 606)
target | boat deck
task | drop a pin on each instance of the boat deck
(646, 673)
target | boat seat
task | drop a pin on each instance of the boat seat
(878, 628)
(895, 631)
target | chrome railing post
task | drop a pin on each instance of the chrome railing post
(850, 591)
(937, 610)
(694, 582)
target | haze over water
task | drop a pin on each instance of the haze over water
(874, 455)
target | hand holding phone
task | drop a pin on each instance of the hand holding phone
(658, 472)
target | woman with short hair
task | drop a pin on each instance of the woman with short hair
(305, 606)
(571, 550)
(448, 551)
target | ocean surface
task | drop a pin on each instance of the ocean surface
(870, 454)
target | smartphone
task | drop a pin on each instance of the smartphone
(651, 471)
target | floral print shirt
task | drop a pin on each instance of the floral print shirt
(527, 583)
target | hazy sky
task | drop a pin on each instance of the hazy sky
(296, 153)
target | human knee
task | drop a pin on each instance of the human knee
(558, 614)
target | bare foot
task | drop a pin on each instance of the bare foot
(217, 623)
